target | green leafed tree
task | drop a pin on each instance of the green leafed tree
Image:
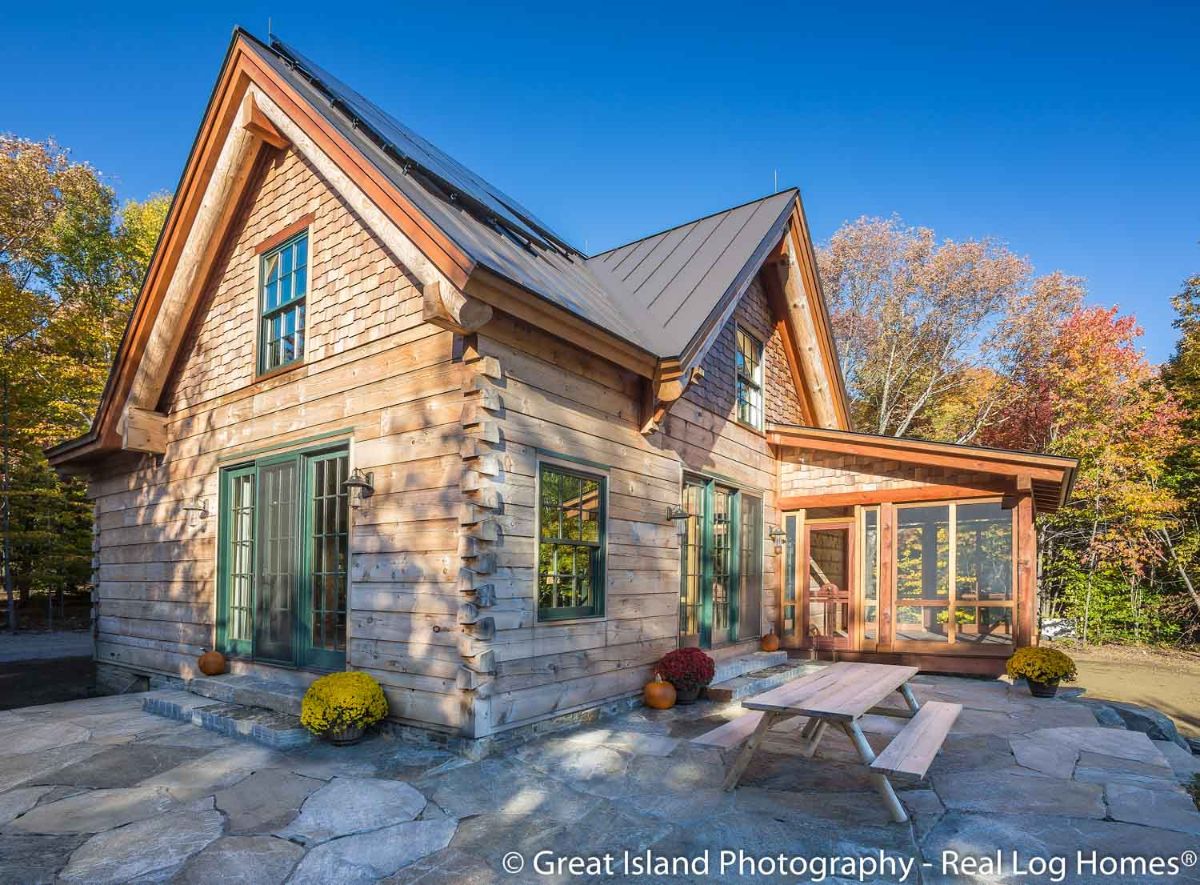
(71, 263)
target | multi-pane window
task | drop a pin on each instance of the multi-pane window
(283, 558)
(954, 574)
(282, 304)
(749, 379)
(571, 511)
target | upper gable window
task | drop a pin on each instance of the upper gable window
(749, 380)
(284, 284)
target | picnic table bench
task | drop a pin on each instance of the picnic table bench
(840, 695)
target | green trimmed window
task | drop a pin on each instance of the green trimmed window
(284, 558)
(571, 528)
(749, 380)
(284, 277)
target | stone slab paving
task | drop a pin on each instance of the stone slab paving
(99, 791)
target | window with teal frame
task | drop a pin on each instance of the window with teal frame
(571, 530)
(284, 282)
(749, 380)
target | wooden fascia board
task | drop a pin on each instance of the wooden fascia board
(495, 290)
(241, 68)
(911, 494)
(806, 254)
(998, 463)
(788, 334)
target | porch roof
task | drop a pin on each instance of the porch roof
(1048, 478)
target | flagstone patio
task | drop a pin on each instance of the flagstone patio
(97, 791)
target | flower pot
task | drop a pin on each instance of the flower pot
(1042, 689)
(344, 737)
(688, 695)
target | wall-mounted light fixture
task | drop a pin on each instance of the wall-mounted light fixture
(778, 537)
(196, 509)
(359, 487)
(680, 517)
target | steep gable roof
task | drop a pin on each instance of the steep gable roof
(653, 305)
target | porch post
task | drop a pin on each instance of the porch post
(1026, 571)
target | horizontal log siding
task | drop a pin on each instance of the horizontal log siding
(373, 368)
(561, 401)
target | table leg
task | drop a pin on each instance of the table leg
(909, 697)
(813, 739)
(747, 753)
(882, 784)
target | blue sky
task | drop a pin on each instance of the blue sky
(1069, 130)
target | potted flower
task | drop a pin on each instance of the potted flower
(340, 706)
(689, 670)
(1042, 669)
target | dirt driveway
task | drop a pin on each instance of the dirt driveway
(1166, 680)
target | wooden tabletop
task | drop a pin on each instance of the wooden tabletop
(842, 691)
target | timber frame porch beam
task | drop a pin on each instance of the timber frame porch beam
(997, 462)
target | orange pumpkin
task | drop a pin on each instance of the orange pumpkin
(659, 694)
(770, 642)
(211, 663)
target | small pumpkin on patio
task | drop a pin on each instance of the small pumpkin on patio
(770, 641)
(1042, 669)
(659, 694)
(689, 670)
(211, 663)
(340, 705)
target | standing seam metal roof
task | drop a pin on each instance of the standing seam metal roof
(656, 292)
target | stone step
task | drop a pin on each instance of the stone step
(268, 727)
(731, 668)
(758, 681)
(250, 691)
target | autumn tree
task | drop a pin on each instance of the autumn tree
(928, 331)
(1096, 397)
(71, 262)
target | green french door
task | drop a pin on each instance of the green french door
(720, 593)
(284, 554)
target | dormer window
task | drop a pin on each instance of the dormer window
(749, 380)
(284, 286)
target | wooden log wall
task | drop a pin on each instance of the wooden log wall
(442, 587)
(558, 401)
(376, 375)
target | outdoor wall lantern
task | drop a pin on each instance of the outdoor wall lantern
(680, 517)
(196, 509)
(359, 487)
(779, 537)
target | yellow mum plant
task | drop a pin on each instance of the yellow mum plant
(1041, 665)
(342, 700)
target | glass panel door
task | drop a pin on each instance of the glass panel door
(328, 540)
(274, 615)
(723, 573)
(720, 589)
(691, 597)
(284, 559)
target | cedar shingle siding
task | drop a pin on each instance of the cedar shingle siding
(716, 391)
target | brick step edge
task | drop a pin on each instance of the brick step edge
(758, 681)
(270, 728)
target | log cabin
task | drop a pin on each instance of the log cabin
(370, 413)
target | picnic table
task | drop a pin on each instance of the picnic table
(840, 695)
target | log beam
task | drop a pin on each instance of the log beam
(258, 124)
(144, 430)
(451, 309)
